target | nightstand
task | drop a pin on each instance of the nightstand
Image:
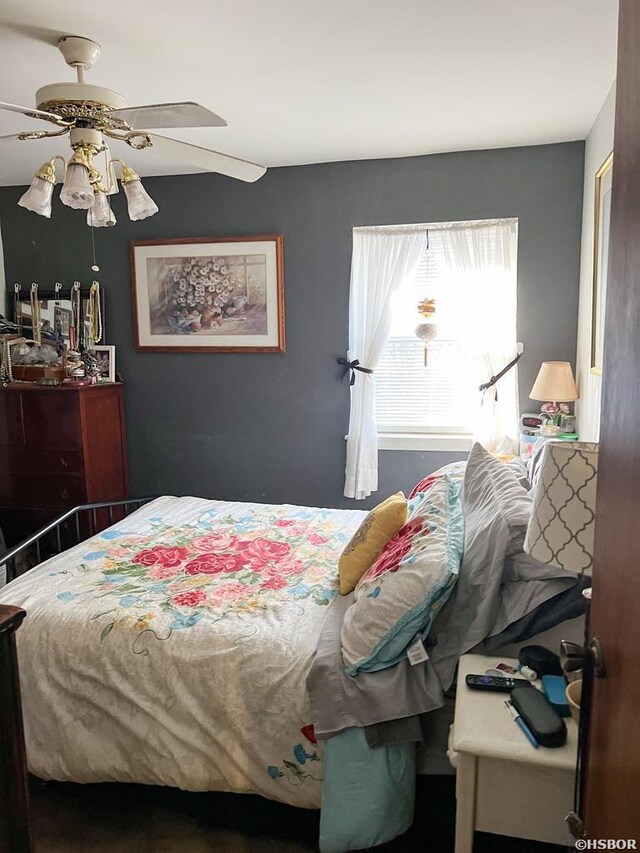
(503, 784)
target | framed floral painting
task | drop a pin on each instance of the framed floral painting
(218, 294)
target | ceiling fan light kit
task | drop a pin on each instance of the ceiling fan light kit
(139, 202)
(38, 197)
(77, 191)
(88, 113)
(100, 215)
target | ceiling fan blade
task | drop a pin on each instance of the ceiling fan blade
(207, 159)
(31, 112)
(182, 114)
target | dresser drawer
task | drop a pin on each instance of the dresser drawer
(62, 491)
(11, 433)
(46, 462)
(23, 462)
(51, 420)
(10, 459)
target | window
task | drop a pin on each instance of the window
(427, 396)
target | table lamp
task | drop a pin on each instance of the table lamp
(561, 528)
(554, 385)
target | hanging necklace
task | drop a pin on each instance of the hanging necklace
(35, 314)
(95, 315)
(23, 349)
(74, 328)
(17, 307)
(57, 318)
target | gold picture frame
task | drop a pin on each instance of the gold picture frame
(602, 224)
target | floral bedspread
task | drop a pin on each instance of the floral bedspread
(173, 648)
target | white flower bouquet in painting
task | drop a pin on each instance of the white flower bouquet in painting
(203, 292)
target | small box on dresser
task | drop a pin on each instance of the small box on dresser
(60, 446)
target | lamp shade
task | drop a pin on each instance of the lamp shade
(38, 197)
(139, 203)
(554, 383)
(77, 191)
(100, 214)
(561, 528)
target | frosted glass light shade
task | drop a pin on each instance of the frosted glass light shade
(100, 214)
(139, 202)
(76, 191)
(38, 197)
(554, 383)
(562, 524)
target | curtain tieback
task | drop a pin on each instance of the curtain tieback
(498, 376)
(351, 367)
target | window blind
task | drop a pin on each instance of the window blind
(412, 397)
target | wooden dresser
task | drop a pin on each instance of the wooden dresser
(60, 446)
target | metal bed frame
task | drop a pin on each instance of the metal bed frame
(69, 529)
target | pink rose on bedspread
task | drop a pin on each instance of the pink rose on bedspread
(164, 555)
(285, 522)
(285, 568)
(394, 551)
(215, 542)
(230, 591)
(258, 552)
(214, 564)
(274, 582)
(191, 598)
(160, 572)
(316, 539)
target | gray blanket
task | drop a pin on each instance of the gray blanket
(399, 694)
(340, 701)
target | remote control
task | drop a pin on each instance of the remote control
(494, 682)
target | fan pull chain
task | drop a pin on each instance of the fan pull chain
(94, 266)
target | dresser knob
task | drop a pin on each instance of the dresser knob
(64, 493)
(63, 463)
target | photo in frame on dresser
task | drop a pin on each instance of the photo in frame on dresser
(105, 362)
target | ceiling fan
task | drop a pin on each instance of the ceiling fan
(89, 113)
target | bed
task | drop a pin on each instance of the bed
(176, 645)
(174, 648)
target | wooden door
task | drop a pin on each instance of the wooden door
(612, 781)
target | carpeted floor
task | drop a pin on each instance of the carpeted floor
(71, 818)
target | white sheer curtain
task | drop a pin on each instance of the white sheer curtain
(381, 261)
(481, 260)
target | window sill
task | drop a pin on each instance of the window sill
(460, 442)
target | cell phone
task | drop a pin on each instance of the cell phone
(495, 683)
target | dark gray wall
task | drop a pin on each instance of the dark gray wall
(270, 427)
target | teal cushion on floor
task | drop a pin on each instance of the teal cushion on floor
(369, 793)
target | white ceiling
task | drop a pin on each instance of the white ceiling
(307, 81)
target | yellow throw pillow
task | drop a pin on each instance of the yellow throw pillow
(379, 526)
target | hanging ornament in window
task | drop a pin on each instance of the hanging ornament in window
(427, 330)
